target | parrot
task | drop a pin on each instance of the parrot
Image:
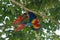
(33, 21)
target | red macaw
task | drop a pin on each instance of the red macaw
(33, 20)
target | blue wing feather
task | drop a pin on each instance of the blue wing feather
(32, 16)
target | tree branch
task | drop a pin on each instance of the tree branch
(42, 14)
(19, 4)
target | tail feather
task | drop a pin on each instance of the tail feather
(19, 19)
(20, 27)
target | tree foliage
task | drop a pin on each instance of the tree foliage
(48, 11)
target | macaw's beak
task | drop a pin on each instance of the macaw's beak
(20, 27)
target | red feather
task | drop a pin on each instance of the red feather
(20, 27)
(19, 19)
(36, 23)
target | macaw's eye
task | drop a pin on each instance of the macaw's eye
(24, 14)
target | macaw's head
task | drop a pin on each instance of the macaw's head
(25, 15)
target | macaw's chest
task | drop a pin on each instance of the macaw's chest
(36, 24)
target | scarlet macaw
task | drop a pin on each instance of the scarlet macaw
(33, 20)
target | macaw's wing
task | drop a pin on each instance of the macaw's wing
(31, 16)
(20, 27)
(36, 24)
(19, 19)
